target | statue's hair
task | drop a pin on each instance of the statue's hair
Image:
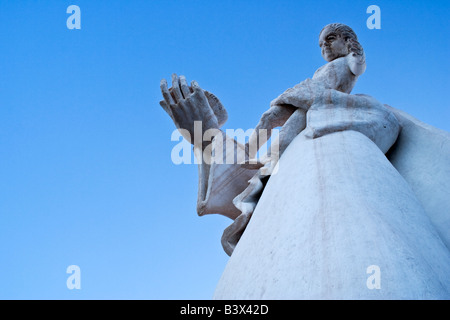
(348, 34)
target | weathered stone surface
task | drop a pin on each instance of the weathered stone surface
(336, 207)
(312, 217)
(422, 156)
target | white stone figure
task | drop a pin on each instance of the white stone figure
(346, 62)
(337, 205)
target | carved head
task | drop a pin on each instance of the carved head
(338, 40)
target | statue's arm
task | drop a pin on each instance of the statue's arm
(356, 63)
(356, 58)
(219, 183)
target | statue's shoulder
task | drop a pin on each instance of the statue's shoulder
(334, 66)
(319, 71)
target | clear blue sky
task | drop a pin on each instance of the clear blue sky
(86, 176)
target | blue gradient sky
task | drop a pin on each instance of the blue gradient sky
(86, 176)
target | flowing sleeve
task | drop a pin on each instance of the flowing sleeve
(221, 181)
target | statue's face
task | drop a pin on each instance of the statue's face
(333, 45)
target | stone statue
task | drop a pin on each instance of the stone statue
(357, 184)
(346, 62)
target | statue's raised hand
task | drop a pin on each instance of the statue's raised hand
(187, 104)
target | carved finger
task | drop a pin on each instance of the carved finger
(199, 97)
(176, 92)
(184, 87)
(202, 110)
(196, 88)
(166, 108)
(199, 94)
(165, 92)
(180, 116)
